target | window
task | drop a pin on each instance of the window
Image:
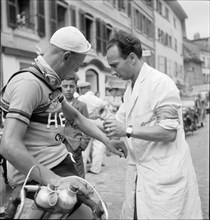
(103, 33)
(159, 7)
(57, 10)
(166, 13)
(162, 64)
(174, 22)
(159, 35)
(138, 20)
(61, 13)
(86, 24)
(129, 8)
(175, 45)
(121, 5)
(164, 38)
(19, 14)
(207, 78)
(53, 16)
(150, 29)
(149, 2)
(73, 16)
(41, 18)
(109, 31)
(169, 41)
(98, 35)
(144, 24)
(176, 69)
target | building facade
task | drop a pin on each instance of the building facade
(203, 45)
(169, 32)
(192, 69)
(28, 24)
(197, 65)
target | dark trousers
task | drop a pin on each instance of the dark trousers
(77, 155)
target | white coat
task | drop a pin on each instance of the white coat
(166, 185)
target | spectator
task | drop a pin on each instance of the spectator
(114, 100)
(198, 109)
(75, 140)
(96, 149)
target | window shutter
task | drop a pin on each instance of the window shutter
(98, 35)
(73, 16)
(82, 22)
(12, 13)
(41, 18)
(104, 39)
(53, 16)
(129, 8)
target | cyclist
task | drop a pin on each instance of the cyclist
(33, 127)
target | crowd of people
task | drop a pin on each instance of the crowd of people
(48, 127)
(194, 115)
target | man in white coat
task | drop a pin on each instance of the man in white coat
(160, 177)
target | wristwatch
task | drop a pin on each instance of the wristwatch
(129, 131)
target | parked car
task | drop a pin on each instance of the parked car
(190, 117)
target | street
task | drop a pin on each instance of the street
(110, 182)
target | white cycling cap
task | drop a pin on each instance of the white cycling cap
(71, 39)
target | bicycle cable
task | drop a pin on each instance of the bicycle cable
(22, 191)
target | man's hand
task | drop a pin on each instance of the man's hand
(114, 128)
(118, 147)
(79, 184)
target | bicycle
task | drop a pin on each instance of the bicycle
(53, 207)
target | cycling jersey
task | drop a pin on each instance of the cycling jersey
(24, 94)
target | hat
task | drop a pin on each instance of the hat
(71, 39)
(84, 84)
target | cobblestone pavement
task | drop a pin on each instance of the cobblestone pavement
(199, 147)
(110, 182)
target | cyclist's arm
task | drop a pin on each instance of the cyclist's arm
(90, 129)
(98, 123)
(14, 150)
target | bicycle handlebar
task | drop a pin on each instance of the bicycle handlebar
(97, 211)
